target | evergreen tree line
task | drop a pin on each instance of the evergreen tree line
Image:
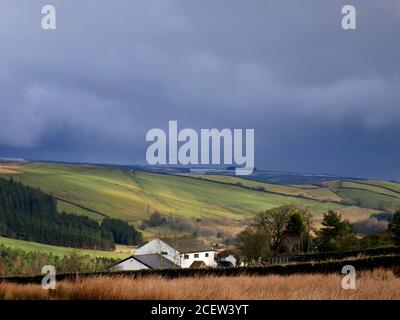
(122, 232)
(29, 214)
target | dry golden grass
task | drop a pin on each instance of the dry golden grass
(10, 168)
(379, 284)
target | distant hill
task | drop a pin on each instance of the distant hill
(132, 195)
(12, 160)
(278, 177)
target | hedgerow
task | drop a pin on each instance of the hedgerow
(338, 255)
(325, 267)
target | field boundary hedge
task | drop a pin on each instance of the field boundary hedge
(339, 255)
(363, 264)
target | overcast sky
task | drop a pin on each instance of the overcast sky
(320, 99)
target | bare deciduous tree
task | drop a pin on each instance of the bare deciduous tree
(274, 222)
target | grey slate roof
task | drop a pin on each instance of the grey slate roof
(156, 261)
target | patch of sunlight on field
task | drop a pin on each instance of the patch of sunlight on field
(316, 193)
(369, 198)
(132, 195)
(9, 168)
(369, 187)
(387, 184)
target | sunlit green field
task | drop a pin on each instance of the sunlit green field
(307, 191)
(381, 195)
(370, 199)
(59, 251)
(370, 186)
(99, 191)
(132, 196)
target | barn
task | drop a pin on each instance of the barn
(169, 254)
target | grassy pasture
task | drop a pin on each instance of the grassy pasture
(28, 246)
(310, 192)
(231, 202)
(394, 186)
(370, 187)
(370, 199)
(132, 195)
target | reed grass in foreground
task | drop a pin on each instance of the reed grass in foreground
(378, 284)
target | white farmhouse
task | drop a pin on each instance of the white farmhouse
(195, 251)
(169, 254)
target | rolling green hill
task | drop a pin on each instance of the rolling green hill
(100, 191)
(380, 195)
(377, 195)
(59, 251)
(225, 204)
(307, 191)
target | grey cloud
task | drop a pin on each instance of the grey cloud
(112, 70)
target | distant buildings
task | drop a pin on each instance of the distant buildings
(169, 254)
(228, 258)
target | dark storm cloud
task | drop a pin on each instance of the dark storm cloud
(321, 99)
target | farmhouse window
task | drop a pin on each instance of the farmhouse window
(196, 255)
(186, 256)
(207, 255)
(164, 253)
